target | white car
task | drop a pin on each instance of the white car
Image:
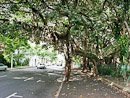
(59, 63)
(3, 67)
(41, 66)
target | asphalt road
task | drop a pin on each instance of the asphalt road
(44, 83)
(24, 83)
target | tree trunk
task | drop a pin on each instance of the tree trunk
(67, 70)
(94, 69)
(84, 64)
(68, 60)
(88, 65)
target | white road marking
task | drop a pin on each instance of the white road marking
(40, 81)
(18, 96)
(11, 95)
(3, 76)
(28, 79)
(14, 95)
(20, 78)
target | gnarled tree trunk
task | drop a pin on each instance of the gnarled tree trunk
(68, 56)
(95, 68)
(84, 64)
(68, 59)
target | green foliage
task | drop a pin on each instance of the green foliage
(11, 45)
(26, 62)
(3, 60)
(105, 70)
(113, 70)
(86, 19)
(124, 47)
(53, 57)
(76, 59)
(13, 7)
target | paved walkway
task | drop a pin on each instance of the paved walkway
(85, 87)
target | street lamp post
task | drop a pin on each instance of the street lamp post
(12, 61)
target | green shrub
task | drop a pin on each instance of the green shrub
(26, 62)
(104, 71)
(128, 72)
(107, 70)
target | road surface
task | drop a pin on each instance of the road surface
(29, 83)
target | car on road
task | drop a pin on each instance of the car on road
(3, 67)
(41, 66)
(59, 63)
(54, 64)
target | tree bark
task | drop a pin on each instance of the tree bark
(95, 68)
(68, 56)
(92, 57)
(67, 70)
(84, 64)
(68, 60)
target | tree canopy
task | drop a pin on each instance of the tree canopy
(94, 29)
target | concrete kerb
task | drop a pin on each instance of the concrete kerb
(59, 90)
(116, 85)
(21, 67)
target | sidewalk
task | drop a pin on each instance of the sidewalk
(20, 67)
(85, 87)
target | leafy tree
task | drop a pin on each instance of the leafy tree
(10, 45)
(77, 27)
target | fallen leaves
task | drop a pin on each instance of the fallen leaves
(74, 87)
(68, 85)
(55, 95)
(81, 96)
(63, 94)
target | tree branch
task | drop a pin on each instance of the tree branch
(128, 29)
(46, 5)
(23, 23)
(87, 54)
(104, 4)
(88, 19)
(41, 16)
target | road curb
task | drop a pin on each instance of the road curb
(19, 68)
(59, 90)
